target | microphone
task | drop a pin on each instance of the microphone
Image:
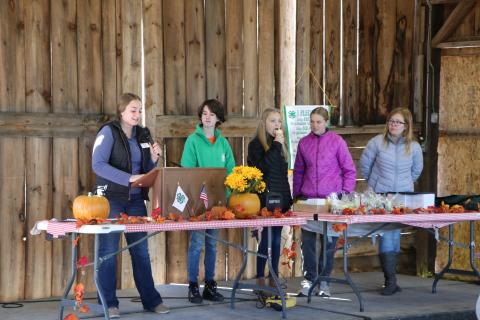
(148, 138)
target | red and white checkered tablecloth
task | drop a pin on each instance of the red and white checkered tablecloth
(422, 220)
(57, 228)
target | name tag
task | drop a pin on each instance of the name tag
(144, 145)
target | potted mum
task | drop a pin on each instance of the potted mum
(245, 183)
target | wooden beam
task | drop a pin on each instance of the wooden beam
(454, 19)
(434, 2)
(29, 124)
(63, 125)
(459, 44)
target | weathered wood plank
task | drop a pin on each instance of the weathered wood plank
(234, 65)
(90, 81)
(266, 53)
(131, 46)
(250, 58)
(385, 21)
(366, 69)
(195, 55)
(38, 152)
(65, 151)
(111, 58)
(215, 50)
(302, 59)
(12, 154)
(154, 105)
(317, 66)
(175, 103)
(332, 56)
(287, 33)
(351, 111)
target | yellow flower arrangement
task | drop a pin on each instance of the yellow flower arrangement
(245, 179)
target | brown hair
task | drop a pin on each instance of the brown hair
(321, 111)
(123, 102)
(407, 133)
(216, 107)
(265, 138)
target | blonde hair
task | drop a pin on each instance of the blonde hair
(264, 137)
(407, 133)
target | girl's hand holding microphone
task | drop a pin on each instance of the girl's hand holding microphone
(155, 152)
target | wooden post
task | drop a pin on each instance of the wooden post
(316, 51)
(332, 57)
(234, 62)
(175, 103)
(65, 151)
(287, 51)
(351, 112)
(154, 106)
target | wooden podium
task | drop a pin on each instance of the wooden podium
(164, 183)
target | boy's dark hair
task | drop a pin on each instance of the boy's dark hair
(216, 107)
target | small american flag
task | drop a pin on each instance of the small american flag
(203, 196)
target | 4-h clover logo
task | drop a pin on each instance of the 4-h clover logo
(180, 198)
(292, 114)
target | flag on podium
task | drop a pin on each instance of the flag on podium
(181, 199)
(204, 196)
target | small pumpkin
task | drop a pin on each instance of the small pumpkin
(90, 207)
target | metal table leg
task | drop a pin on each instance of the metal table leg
(236, 282)
(96, 266)
(274, 276)
(447, 268)
(348, 280)
(64, 301)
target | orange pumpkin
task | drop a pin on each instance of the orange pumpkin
(90, 207)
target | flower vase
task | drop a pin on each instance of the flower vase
(244, 205)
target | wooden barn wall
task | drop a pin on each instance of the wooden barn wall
(458, 157)
(63, 65)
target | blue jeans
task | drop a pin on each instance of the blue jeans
(142, 271)
(309, 253)
(263, 249)
(390, 241)
(197, 240)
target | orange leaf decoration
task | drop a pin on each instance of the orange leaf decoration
(70, 316)
(172, 216)
(228, 215)
(339, 227)
(84, 308)
(75, 242)
(79, 292)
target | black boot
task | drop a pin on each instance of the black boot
(194, 293)
(389, 264)
(210, 291)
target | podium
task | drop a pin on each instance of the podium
(164, 182)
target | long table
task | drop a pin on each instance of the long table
(60, 229)
(377, 223)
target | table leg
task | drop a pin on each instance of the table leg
(316, 282)
(472, 249)
(439, 275)
(274, 276)
(347, 275)
(242, 268)
(96, 266)
(64, 301)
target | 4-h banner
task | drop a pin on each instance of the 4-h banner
(181, 199)
(297, 123)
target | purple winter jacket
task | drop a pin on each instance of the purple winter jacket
(323, 165)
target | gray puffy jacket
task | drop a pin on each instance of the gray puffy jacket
(387, 167)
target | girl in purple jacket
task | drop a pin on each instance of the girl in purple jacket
(323, 165)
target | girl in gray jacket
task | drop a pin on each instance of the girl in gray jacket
(392, 162)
